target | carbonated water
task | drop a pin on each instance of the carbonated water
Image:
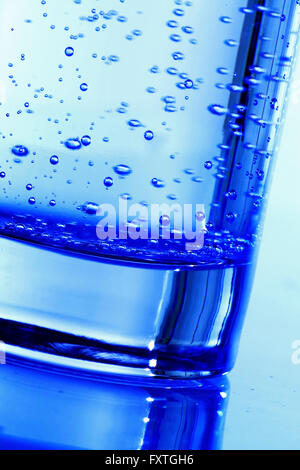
(154, 102)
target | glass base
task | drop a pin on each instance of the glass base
(91, 315)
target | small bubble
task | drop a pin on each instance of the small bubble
(83, 87)
(187, 29)
(175, 37)
(217, 109)
(246, 10)
(69, 51)
(134, 123)
(113, 58)
(171, 108)
(122, 170)
(73, 144)
(108, 182)
(54, 160)
(208, 165)
(172, 24)
(189, 83)
(197, 179)
(226, 19)
(164, 220)
(223, 70)
(189, 171)
(126, 196)
(172, 71)
(20, 150)
(157, 183)
(169, 99)
(90, 208)
(155, 69)
(86, 140)
(200, 216)
(231, 42)
(178, 56)
(137, 32)
(178, 12)
(151, 89)
(149, 135)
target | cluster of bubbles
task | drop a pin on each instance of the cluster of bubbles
(178, 30)
(184, 86)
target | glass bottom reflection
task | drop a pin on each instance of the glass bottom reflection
(58, 408)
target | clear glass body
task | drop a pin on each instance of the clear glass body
(137, 106)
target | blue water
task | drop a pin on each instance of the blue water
(154, 102)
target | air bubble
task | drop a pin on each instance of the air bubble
(134, 123)
(208, 165)
(73, 144)
(178, 55)
(108, 182)
(149, 135)
(86, 140)
(122, 170)
(69, 51)
(90, 208)
(175, 37)
(20, 150)
(231, 42)
(164, 220)
(189, 83)
(217, 109)
(54, 160)
(84, 87)
(226, 19)
(157, 183)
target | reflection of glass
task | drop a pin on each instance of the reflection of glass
(61, 410)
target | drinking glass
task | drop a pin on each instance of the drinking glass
(138, 140)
